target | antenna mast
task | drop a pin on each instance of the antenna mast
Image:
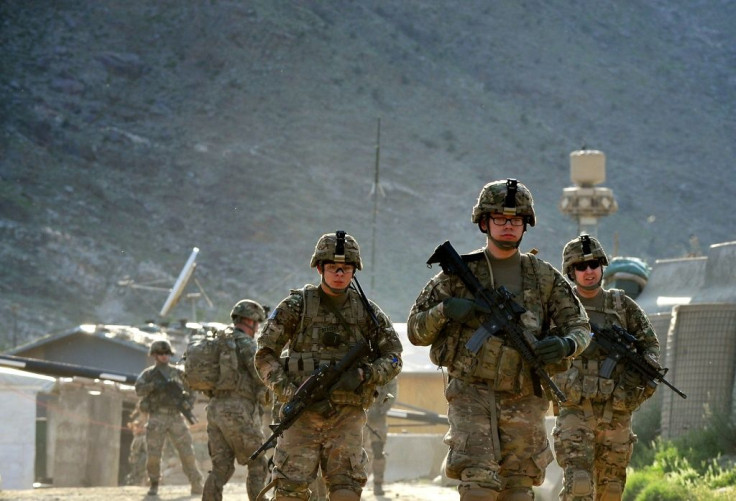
(375, 190)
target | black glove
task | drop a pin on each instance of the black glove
(349, 381)
(462, 310)
(553, 349)
(631, 379)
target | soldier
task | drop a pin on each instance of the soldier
(314, 326)
(137, 454)
(376, 433)
(498, 447)
(236, 405)
(164, 418)
(593, 437)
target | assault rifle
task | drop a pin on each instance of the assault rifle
(176, 393)
(620, 345)
(315, 389)
(504, 313)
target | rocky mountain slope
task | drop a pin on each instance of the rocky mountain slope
(133, 131)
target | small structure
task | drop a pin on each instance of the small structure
(18, 392)
(692, 304)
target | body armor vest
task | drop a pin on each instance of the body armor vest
(324, 339)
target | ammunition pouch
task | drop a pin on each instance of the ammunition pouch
(570, 383)
(363, 398)
(228, 378)
(629, 399)
(499, 365)
(443, 350)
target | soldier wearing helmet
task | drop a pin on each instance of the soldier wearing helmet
(164, 418)
(314, 326)
(593, 438)
(498, 447)
(236, 405)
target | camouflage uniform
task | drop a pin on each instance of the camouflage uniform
(593, 436)
(164, 420)
(137, 459)
(376, 433)
(497, 440)
(314, 329)
(234, 419)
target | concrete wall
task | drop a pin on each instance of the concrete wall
(88, 427)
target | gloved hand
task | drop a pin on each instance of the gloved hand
(553, 349)
(284, 390)
(462, 310)
(631, 379)
(349, 381)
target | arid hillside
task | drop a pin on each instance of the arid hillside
(133, 131)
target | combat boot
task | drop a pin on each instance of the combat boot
(197, 488)
(378, 489)
(153, 490)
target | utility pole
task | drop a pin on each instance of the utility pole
(376, 189)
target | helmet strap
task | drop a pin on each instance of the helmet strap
(589, 287)
(505, 245)
(332, 289)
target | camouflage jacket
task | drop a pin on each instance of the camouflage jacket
(303, 337)
(150, 387)
(547, 298)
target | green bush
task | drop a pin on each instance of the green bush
(637, 480)
(664, 490)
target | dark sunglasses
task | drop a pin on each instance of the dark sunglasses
(593, 265)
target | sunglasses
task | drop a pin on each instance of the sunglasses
(593, 265)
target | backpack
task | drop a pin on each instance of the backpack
(202, 362)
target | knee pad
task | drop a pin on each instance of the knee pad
(288, 489)
(580, 483)
(612, 491)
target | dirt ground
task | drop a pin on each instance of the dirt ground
(414, 491)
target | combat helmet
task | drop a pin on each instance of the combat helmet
(581, 249)
(160, 346)
(248, 308)
(508, 197)
(338, 247)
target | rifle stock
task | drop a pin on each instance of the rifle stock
(504, 313)
(620, 345)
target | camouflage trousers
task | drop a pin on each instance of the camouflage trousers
(593, 445)
(508, 458)
(334, 444)
(233, 434)
(137, 461)
(169, 423)
(374, 442)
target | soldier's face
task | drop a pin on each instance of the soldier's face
(337, 275)
(162, 357)
(509, 232)
(588, 277)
